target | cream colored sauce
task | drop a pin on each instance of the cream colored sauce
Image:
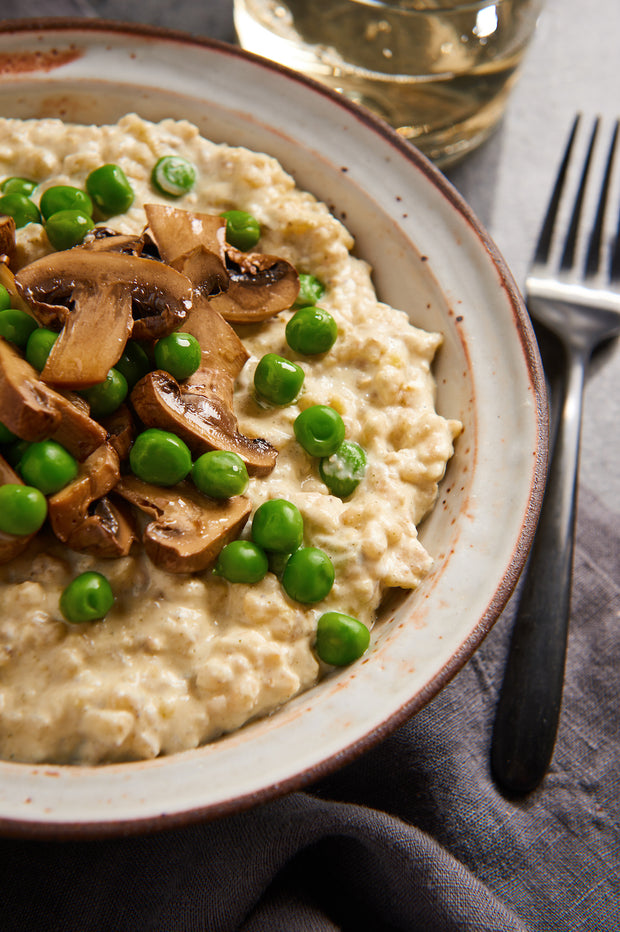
(180, 660)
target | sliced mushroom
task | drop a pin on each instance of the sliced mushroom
(244, 287)
(34, 411)
(221, 347)
(201, 414)
(10, 544)
(192, 243)
(8, 280)
(99, 299)
(188, 530)
(7, 237)
(121, 430)
(100, 529)
(260, 286)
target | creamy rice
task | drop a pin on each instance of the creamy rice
(182, 659)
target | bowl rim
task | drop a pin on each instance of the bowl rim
(22, 828)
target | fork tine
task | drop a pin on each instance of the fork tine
(593, 258)
(543, 247)
(568, 255)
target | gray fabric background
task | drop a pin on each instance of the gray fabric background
(414, 835)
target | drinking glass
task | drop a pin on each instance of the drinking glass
(439, 71)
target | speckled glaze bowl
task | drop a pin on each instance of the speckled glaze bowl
(421, 239)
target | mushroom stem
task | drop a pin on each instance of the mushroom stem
(102, 319)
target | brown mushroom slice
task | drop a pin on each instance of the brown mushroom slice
(102, 239)
(7, 237)
(188, 529)
(121, 430)
(201, 414)
(260, 286)
(101, 530)
(34, 411)
(108, 295)
(8, 280)
(178, 232)
(109, 531)
(11, 545)
(221, 347)
(93, 337)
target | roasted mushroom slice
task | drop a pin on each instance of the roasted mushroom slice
(201, 414)
(99, 299)
(193, 243)
(7, 237)
(188, 529)
(10, 544)
(100, 529)
(260, 286)
(34, 411)
(121, 430)
(221, 347)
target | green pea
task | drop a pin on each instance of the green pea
(173, 175)
(20, 208)
(39, 346)
(242, 229)
(277, 562)
(320, 430)
(16, 185)
(16, 326)
(311, 290)
(311, 330)
(110, 189)
(105, 397)
(47, 466)
(241, 561)
(67, 228)
(6, 435)
(277, 380)
(340, 638)
(343, 471)
(179, 354)
(278, 526)
(64, 197)
(5, 298)
(23, 509)
(88, 597)
(308, 575)
(160, 457)
(133, 364)
(220, 474)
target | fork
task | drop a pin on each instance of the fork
(582, 309)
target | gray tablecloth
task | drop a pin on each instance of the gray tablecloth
(414, 835)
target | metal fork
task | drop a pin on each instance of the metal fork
(582, 309)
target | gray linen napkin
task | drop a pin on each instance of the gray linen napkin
(412, 836)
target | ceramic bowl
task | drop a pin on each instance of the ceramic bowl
(421, 239)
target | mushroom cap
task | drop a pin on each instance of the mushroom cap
(201, 414)
(188, 529)
(161, 296)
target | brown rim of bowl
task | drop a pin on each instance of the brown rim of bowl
(19, 828)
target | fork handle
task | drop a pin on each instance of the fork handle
(528, 710)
